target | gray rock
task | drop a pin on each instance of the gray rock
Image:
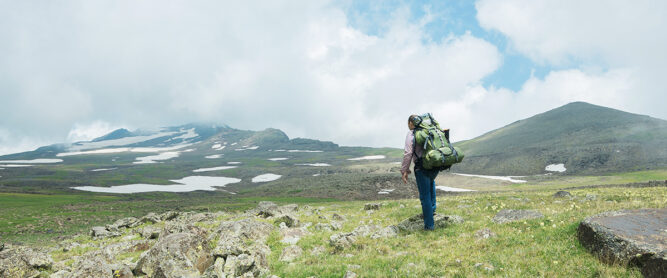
(372, 206)
(102, 232)
(289, 220)
(239, 265)
(335, 226)
(60, 274)
(290, 253)
(176, 255)
(387, 232)
(416, 223)
(628, 237)
(289, 209)
(267, 209)
(323, 227)
(591, 197)
(562, 194)
(151, 218)
(365, 230)
(510, 215)
(342, 240)
(292, 235)
(484, 233)
(350, 274)
(122, 223)
(338, 217)
(317, 250)
(94, 265)
(20, 261)
(217, 270)
(169, 215)
(148, 232)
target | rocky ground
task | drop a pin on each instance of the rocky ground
(484, 235)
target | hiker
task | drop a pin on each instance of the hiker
(425, 178)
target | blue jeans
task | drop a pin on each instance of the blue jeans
(426, 187)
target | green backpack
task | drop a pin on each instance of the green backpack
(438, 151)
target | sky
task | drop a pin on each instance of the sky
(345, 71)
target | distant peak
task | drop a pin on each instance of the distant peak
(116, 134)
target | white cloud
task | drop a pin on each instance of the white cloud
(614, 49)
(90, 131)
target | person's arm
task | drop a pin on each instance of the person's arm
(407, 157)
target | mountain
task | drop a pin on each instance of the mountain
(586, 138)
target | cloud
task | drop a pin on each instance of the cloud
(89, 131)
(300, 67)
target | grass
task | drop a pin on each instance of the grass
(541, 247)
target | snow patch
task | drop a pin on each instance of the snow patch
(35, 161)
(316, 175)
(368, 157)
(117, 142)
(234, 162)
(278, 158)
(213, 169)
(245, 148)
(502, 178)
(154, 158)
(452, 189)
(303, 151)
(386, 191)
(265, 178)
(314, 164)
(555, 168)
(213, 156)
(186, 184)
(103, 169)
(15, 165)
(190, 133)
(121, 150)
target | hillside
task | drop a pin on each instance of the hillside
(585, 138)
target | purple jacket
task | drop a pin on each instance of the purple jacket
(410, 153)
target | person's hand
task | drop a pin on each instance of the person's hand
(405, 176)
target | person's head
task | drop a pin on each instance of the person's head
(411, 121)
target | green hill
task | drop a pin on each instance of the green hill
(586, 138)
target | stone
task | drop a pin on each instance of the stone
(365, 230)
(150, 218)
(485, 233)
(342, 240)
(629, 238)
(217, 270)
(416, 223)
(122, 223)
(238, 265)
(292, 235)
(386, 232)
(61, 274)
(169, 215)
(289, 209)
(511, 215)
(323, 227)
(267, 209)
(20, 261)
(338, 217)
(591, 197)
(95, 265)
(175, 255)
(102, 232)
(562, 194)
(148, 232)
(289, 220)
(350, 274)
(372, 206)
(290, 253)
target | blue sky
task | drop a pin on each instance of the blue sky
(450, 18)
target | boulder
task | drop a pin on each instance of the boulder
(148, 232)
(169, 215)
(416, 223)
(389, 231)
(350, 274)
(102, 232)
(511, 215)
(288, 219)
(342, 240)
(628, 237)
(176, 255)
(23, 262)
(288, 209)
(217, 270)
(290, 253)
(122, 223)
(267, 209)
(292, 235)
(95, 265)
(365, 230)
(338, 217)
(562, 194)
(151, 218)
(239, 265)
(372, 206)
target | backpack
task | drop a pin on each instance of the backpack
(438, 153)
